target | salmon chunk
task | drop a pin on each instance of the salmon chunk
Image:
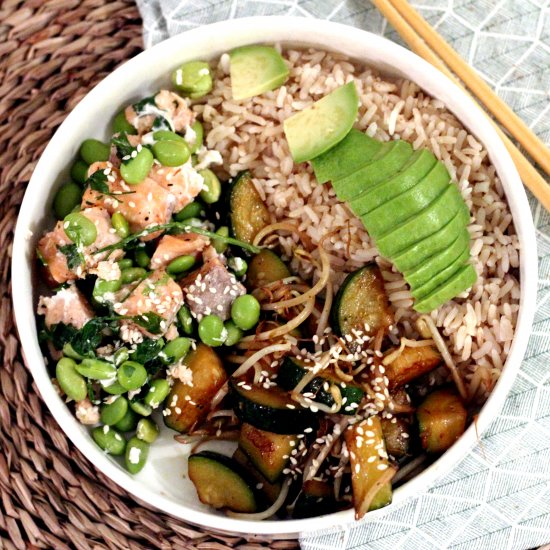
(212, 289)
(67, 306)
(171, 247)
(157, 297)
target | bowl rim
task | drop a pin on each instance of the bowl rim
(251, 29)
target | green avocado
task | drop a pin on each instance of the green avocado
(420, 275)
(388, 216)
(429, 221)
(457, 283)
(434, 244)
(419, 165)
(386, 163)
(352, 153)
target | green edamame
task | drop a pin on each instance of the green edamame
(234, 333)
(212, 188)
(121, 355)
(125, 263)
(185, 320)
(167, 135)
(181, 264)
(69, 351)
(120, 224)
(142, 258)
(79, 172)
(93, 150)
(131, 375)
(159, 390)
(67, 197)
(237, 265)
(193, 78)
(103, 288)
(211, 331)
(219, 245)
(96, 369)
(114, 388)
(136, 454)
(132, 274)
(137, 168)
(171, 153)
(114, 412)
(80, 229)
(245, 311)
(141, 408)
(147, 430)
(70, 381)
(109, 439)
(121, 125)
(192, 210)
(196, 143)
(175, 350)
(128, 422)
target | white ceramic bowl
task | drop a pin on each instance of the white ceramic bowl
(161, 483)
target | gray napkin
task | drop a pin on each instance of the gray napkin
(498, 497)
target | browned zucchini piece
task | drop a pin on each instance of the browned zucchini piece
(189, 405)
(441, 420)
(412, 363)
(365, 441)
(396, 435)
(268, 451)
(264, 268)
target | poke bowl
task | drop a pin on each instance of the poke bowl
(268, 285)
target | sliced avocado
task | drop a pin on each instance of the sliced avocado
(321, 126)
(389, 160)
(419, 165)
(353, 152)
(409, 204)
(421, 274)
(439, 278)
(429, 221)
(459, 282)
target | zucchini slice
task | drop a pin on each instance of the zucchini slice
(316, 499)
(397, 434)
(412, 363)
(361, 303)
(364, 441)
(266, 267)
(271, 410)
(441, 420)
(188, 404)
(220, 482)
(293, 370)
(268, 451)
(247, 212)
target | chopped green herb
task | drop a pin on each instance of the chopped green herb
(98, 182)
(151, 322)
(73, 255)
(139, 107)
(123, 147)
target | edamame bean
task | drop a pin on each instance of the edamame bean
(245, 311)
(234, 333)
(147, 430)
(121, 125)
(212, 188)
(69, 351)
(192, 210)
(136, 455)
(141, 408)
(109, 439)
(132, 274)
(121, 355)
(69, 380)
(137, 168)
(193, 78)
(125, 263)
(237, 265)
(67, 197)
(142, 258)
(79, 172)
(80, 229)
(114, 388)
(120, 224)
(131, 375)
(114, 412)
(103, 288)
(171, 153)
(219, 245)
(211, 331)
(128, 422)
(175, 350)
(185, 320)
(196, 143)
(181, 264)
(167, 135)
(96, 369)
(93, 150)
(159, 390)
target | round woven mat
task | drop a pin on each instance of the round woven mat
(51, 54)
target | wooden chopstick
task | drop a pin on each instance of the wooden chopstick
(530, 176)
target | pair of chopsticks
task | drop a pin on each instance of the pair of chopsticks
(425, 41)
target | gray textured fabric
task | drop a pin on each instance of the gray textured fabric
(498, 497)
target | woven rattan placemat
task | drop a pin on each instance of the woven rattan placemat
(51, 54)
